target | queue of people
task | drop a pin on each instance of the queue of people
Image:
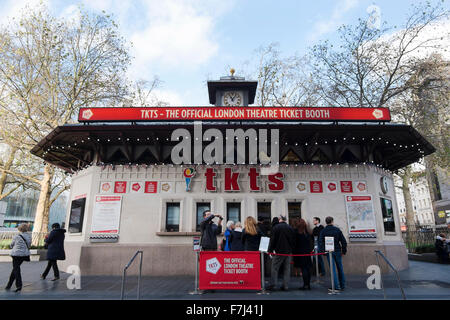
(20, 252)
(287, 244)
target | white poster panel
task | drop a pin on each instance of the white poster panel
(360, 215)
(329, 243)
(301, 187)
(331, 187)
(360, 186)
(264, 244)
(106, 187)
(106, 214)
(137, 187)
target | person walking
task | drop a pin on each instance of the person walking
(236, 238)
(227, 236)
(251, 235)
(315, 238)
(20, 252)
(55, 244)
(442, 248)
(281, 242)
(209, 231)
(303, 246)
(340, 249)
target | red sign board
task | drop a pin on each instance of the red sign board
(229, 270)
(151, 186)
(120, 187)
(233, 113)
(346, 186)
(316, 186)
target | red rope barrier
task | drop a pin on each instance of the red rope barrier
(296, 255)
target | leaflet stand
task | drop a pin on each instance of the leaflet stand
(263, 248)
(316, 251)
(197, 259)
(329, 246)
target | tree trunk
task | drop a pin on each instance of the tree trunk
(7, 166)
(406, 179)
(43, 207)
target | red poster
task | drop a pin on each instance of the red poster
(230, 270)
(120, 187)
(151, 186)
(316, 186)
(234, 113)
(346, 186)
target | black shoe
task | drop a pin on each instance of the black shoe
(18, 289)
(336, 290)
(271, 288)
(8, 288)
(284, 289)
(305, 288)
(42, 277)
(56, 278)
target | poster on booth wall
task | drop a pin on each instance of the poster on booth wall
(331, 187)
(360, 215)
(301, 187)
(106, 214)
(228, 270)
(361, 186)
(106, 187)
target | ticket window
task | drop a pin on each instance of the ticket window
(264, 216)
(201, 207)
(294, 211)
(173, 217)
(234, 211)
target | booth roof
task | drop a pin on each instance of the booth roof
(390, 145)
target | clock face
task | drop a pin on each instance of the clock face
(233, 98)
(384, 185)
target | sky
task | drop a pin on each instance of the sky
(187, 42)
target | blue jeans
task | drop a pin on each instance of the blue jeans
(320, 264)
(339, 277)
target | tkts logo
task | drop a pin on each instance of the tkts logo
(188, 173)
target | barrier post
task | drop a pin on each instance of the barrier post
(263, 282)
(196, 291)
(331, 272)
(316, 257)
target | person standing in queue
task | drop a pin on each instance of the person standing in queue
(315, 234)
(55, 243)
(251, 235)
(236, 238)
(282, 242)
(340, 248)
(209, 231)
(20, 252)
(227, 236)
(303, 246)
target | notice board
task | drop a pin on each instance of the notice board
(106, 214)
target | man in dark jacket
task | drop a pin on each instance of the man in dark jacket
(282, 241)
(316, 233)
(55, 243)
(340, 248)
(210, 231)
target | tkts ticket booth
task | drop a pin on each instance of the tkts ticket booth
(142, 177)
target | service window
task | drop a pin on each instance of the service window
(201, 207)
(77, 215)
(294, 211)
(173, 217)
(234, 211)
(388, 215)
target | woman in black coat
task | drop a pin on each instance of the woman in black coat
(55, 243)
(236, 238)
(303, 246)
(251, 235)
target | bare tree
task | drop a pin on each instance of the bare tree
(49, 67)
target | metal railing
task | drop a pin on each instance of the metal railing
(379, 253)
(125, 275)
(416, 237)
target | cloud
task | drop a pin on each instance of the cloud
(330, 24)
(15, 8)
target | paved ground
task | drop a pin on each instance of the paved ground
(422, 280)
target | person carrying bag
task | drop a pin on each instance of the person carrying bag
(20, 252)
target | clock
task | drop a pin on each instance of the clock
(233, 98)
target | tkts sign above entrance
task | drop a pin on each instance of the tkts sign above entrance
(233, 113)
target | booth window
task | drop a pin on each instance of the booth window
(234, 211)
(173, 217)
(388, 215)
(201, 207)
(77, 215)
(294, 211)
